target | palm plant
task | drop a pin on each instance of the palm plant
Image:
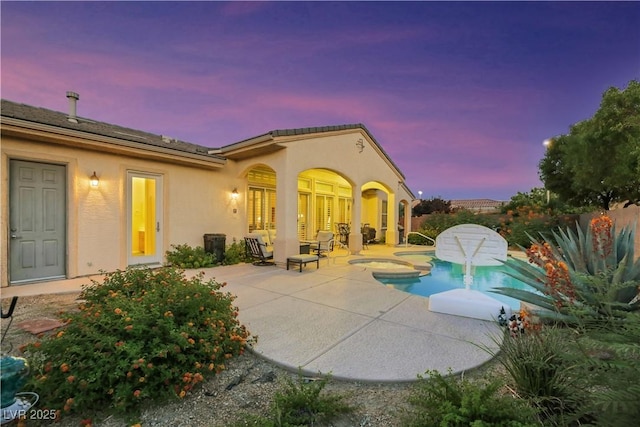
(562, 272)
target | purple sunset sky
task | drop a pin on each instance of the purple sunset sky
(460, 95)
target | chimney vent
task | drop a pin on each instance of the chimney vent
(73, 100)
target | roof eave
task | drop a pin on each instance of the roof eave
(252, 147)
(64, 136)
(258, 145)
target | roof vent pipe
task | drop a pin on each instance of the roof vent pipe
(73, 99)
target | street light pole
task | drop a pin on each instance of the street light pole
(547, 143)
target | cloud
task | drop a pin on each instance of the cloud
(460, 96)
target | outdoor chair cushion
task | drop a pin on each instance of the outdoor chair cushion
(259, 249)
(323, 242)
(264, 234)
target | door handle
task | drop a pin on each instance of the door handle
(13, 236)
(157, 226)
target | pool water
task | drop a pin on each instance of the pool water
(445, 276)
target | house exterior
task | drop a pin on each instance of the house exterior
(81, 196)
(478, 205)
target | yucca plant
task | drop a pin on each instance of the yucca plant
(561, 270)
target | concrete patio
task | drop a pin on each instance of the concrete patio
(340, 320)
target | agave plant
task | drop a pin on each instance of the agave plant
(592, 271)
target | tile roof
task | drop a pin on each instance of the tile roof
(58, 119)
(317, 129)
(310, 130)
(476, 203)
(54, 118)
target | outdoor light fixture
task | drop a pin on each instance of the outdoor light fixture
(360, 145)
(234, 194)
(93, 180)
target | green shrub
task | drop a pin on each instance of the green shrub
(184, 256)
(517, 226)
(589, 371)
(543, 374)
(142, 335)
(534, 361)
(236, 253)
(302, 403)
(608, 356)
(448, 401)
(588, 375)
(435, 224)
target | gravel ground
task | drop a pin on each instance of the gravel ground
(246, 387)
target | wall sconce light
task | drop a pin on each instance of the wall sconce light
(234, 199)
(360, 145)
(93, 180)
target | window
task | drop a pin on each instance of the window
(324, 209)
(383, 219)
(262, 208)
(344, 210)
(303, 216)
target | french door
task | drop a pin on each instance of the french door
(304, 202)
(144, 218)
(262, 208)
(324, 211)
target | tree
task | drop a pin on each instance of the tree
(536, 198)
(540, 200)
(432, 205)
(598, 162)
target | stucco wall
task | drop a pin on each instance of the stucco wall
(196, 201)
(370, 209)
(339, 153)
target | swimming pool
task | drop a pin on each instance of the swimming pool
(445, 276)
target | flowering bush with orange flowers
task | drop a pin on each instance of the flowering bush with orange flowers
(583, 371)
(515, 225)
(141, 335)
(519, 224)
(588, 273)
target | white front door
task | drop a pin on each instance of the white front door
(144, 218)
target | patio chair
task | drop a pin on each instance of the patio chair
(8, 315)
(323, 243)
(258, 249)
(365, 237)
(343, 231)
